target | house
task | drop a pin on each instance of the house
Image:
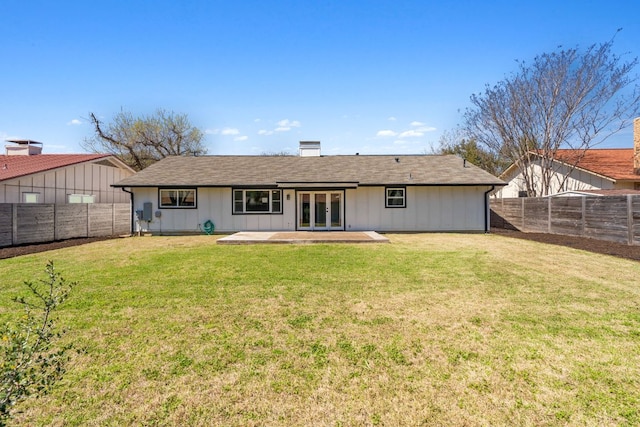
(311, 192)
(610, 170)
(28, 176)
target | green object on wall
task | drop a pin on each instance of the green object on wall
(209, 227)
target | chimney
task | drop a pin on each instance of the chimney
(309, 149)
(636, 146)
(23, 147)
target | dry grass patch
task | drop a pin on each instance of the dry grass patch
(428, 330)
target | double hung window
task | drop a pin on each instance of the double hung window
(395, 197)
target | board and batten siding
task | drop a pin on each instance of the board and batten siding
(214, 204)
(55, 186)
(436, 208)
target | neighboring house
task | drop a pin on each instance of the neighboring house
(579, 170)
(28, 176)
(311, 192)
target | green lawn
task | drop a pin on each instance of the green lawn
(431, 329)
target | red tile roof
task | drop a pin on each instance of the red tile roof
(615, 163)
(17, 166)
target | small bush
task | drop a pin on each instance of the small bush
(29, 360)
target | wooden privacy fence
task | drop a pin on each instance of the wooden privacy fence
(612, 218)
(39, 223)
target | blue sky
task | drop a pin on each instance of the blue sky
(374, 77)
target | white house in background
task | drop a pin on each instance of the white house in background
(612, 171)
(311, 192)
(28, 176)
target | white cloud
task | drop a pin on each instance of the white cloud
(74, 122)
(386, 132)
(426, 129)
(212, 131)
(230, 131)
(410, 134)
(416, 123)
(283, 125)
(286, 123)
(241, 138)
(392, 119)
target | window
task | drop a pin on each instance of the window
(257, 201)
(177, 198)
(30, 197)
(81, 198)
(395, 198)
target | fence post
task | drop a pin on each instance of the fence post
(522, 214)
(630, 218)
(549, 214)
(583, 218)
(55, 222)
(14, 224)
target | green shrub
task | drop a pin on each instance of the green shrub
(30, 361)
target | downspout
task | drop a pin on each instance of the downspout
(487, 214)
(133, 213)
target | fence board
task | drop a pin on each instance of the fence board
(6, 224)
(71, 221)
(635, 213)
(121, 219)
(38, 223)
(35, 223)
(611, 218)
(537, 214)
(100, 220)
(566, 216)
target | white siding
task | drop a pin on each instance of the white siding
(54, 186)
(427, 209)
(578, 180)
(213, 204)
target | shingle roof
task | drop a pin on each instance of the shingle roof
(615, 163)
(17, 166)
(281, 170)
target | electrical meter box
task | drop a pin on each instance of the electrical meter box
(146, 213)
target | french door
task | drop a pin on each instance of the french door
(320, 210)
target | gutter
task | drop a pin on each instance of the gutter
(487, 212)
(132, 209)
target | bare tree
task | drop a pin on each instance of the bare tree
(568, 99)
(141, 141)
(455, 142)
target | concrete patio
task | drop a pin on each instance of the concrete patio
(302, 237)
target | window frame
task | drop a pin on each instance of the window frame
(84, 198)
(178, 206)
(272, 201)
(388, 197)
(27, 194)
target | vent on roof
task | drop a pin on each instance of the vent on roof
(309, 148)
(23, 147)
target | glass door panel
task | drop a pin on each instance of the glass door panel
(305, 210)
(336, 210)
(320, 219)
(320, 210)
